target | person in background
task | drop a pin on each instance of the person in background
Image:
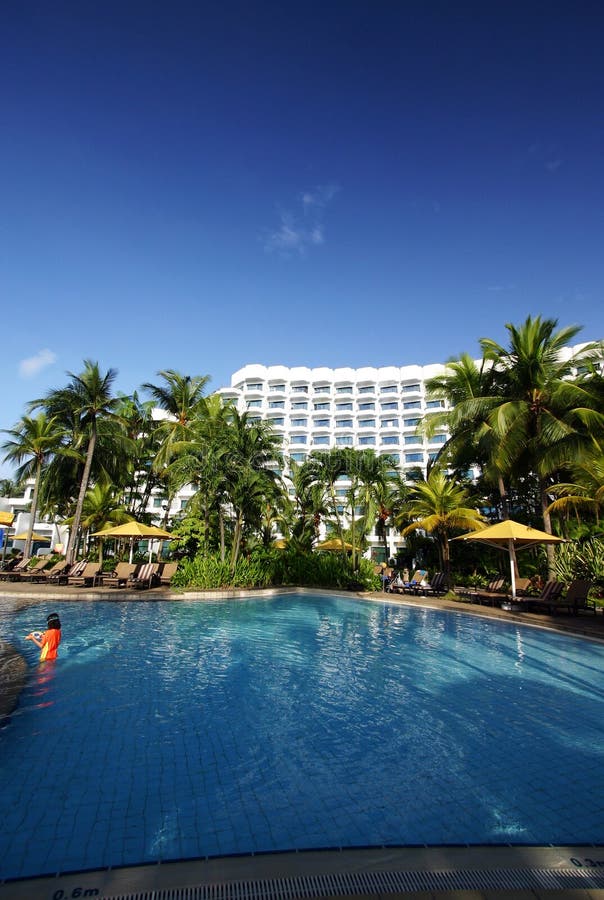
(49, 641)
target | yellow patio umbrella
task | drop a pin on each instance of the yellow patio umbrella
(333, 544)
(509, 535)
(35, 537)
(135, 531)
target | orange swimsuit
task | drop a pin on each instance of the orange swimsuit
(50, 643)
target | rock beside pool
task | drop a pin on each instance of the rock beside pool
(12, 678)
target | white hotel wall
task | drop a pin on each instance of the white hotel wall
(321, 408)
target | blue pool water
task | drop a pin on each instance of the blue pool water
(178, 730)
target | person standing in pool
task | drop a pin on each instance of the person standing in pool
(50, 639)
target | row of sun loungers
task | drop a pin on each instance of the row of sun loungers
(553, 597)
(89, 574)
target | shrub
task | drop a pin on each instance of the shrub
(581, 559)
(266, 568)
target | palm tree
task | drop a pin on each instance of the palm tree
(33, 440)
(584, 494)
(101, 509)
(182, 398)
(86, 401)
(438, 506)
(253, 446)
(546, 413)
(325, 468)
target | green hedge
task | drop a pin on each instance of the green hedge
(276, 568)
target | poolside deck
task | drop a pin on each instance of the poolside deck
(464, 873)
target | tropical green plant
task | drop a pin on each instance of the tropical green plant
(33, 442)
(438, 507)
(85, 402)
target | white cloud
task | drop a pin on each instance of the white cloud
(298, 230)
(34, 364)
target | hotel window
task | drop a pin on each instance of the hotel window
(341, 492)
(321, 423)
(343, 406)
(368, 439)
(278, 421)
(394, 457)
(412, 439)
(298, 457)
(299, 423)
(410, 388)
(253, 420)
(276, 404)
(344, 423)
(435, 404)
(253, 403)
(367, 423)
(363, 406)
(344, 440)
(274, 388)
(389, 423)
(157, 501)
(322, 405)
(298, 439)
(367, 389)
(388, 389)
(432, 456)
(412, 404)
(321, 439)
(390, 439)
(414, 457)
(346, 389)
(411, 423)
(255, 386)
(299, 389)
(300, 404)
(438, 439)
(322, 389)
(391, 405)
(183, 503)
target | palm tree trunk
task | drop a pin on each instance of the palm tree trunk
(75, 528)
(547, 527)
(33, 511)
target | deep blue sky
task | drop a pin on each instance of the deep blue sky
(197, 185)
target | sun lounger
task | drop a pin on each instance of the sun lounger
(576, 598)
(89, 576)
(548, 598)
(436, 586)
(123, 574)
(13, 573)
(168, 570)
(57, 574)
(398, 586)
(146, 577)
(37, 573)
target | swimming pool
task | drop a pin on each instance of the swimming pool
(178, 730)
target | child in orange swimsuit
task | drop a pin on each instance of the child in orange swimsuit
(50, 640)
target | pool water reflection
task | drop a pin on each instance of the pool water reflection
(178, 730)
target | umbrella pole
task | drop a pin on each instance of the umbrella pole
(512, 568)
(131, 549)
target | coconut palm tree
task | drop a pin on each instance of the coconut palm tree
(546, 413)
(102, 508)
(182, 398)
(85, 402)
(252, 448)
(33, 442)
(586, 493)
(325, 468)
(438, 506)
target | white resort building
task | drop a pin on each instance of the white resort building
(317, 409)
